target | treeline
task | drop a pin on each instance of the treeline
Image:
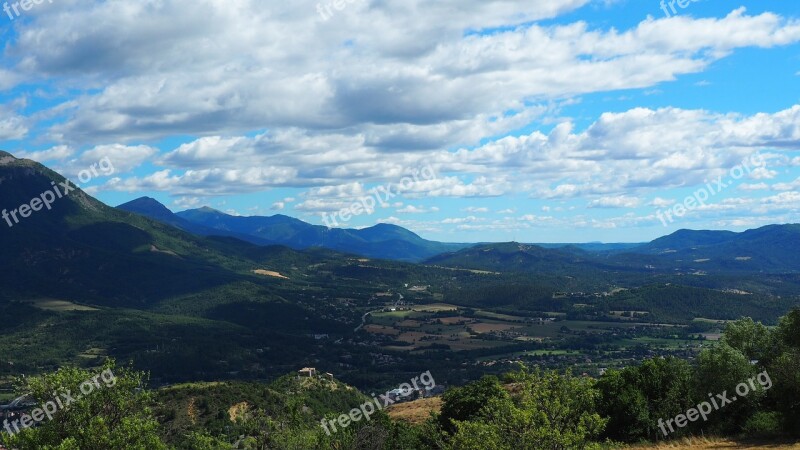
(748, 384)
(676, 303)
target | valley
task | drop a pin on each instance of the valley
(86, 282)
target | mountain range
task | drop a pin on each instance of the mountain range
(146, 237)
(772, 248)
(382, 241)
(185, 294)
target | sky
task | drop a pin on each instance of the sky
(461, 120)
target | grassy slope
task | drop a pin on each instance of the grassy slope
(711, 443)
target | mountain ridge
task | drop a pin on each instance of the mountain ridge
(383, 241)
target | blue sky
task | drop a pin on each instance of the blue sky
(545, 121)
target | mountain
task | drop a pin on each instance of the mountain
(593, 246)
(383, 241)
(772, 248)
(153, 209)
(514, 257)
(686, 239)
(82, 280)
(60, 242)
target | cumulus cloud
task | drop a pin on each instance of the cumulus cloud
(411, 209)
(615, 202)
(268, 95)
(398, 81)
(13, 128)
(57, 153)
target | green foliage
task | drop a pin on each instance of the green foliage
(204, 441)
(751, 338)
(465, 403)
(635, 398)
(763, 425)
(675, 303)
(547, 410)
(721, 369)
(114, 415)
(785, 371)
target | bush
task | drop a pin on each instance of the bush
(763, 424)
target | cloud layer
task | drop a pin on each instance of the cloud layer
(276, 96)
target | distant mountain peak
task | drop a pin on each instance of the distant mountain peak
(7, 159)
(209, 210)
(145, 201)
(146, 205)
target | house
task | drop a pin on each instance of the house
(307, 372)
(400, 395)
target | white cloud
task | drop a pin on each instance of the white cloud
(57, 153)
(659, 202)
(13, 128)
(615, 202)
(460, 220)
(475, 210)
(411, 209)
(379, 89)
(762, 173)
(188, 202)
(207, 68)
(787, 186)
(753, 187)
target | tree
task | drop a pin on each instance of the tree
(751, 338)
(635, 398)
(464, 403)
(109, 411)
(624, 403)
(720, 369)
(785, 371)
(204, 441)
(546, 410)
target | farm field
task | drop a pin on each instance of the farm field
(552, 337)
(51, 304)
